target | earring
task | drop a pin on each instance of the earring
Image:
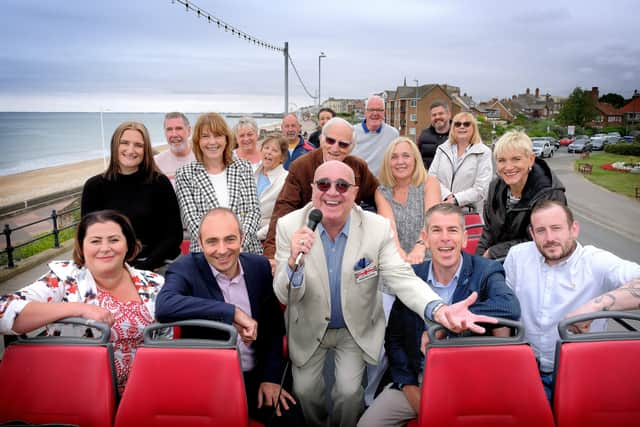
(530, 168)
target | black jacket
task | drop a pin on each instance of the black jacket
(505, 227)
(428, 142)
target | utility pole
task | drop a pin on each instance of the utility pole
(322, 55)
(286, 78)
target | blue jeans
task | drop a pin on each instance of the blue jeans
(547, 382)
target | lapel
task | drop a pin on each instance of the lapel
(201, 181)
(315, 262)
(352, 250)
(253, 286)
(233, 185)
(462, 290)
(209, 282)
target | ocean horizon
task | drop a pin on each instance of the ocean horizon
(35, 140)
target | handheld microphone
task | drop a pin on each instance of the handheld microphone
(315, 217)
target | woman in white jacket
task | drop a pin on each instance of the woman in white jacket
(270, 177)
(463, 165)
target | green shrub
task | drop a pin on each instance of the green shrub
(624, 149)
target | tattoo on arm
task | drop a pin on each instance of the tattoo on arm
(606, 305)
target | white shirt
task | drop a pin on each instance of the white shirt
(547, 293)
(219, 182)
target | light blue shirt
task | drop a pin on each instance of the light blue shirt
(444, 290)
(333, 253)
(263, 183)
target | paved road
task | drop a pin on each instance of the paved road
(607, 220)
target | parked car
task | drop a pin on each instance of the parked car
(542, 147)
(579, 146)
(613, 137)
(566, 140)
(598, 143)
(628, 138)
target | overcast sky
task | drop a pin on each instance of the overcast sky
(151, 55)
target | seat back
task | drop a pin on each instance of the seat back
(185, 382)
(59, 380)
(472, 218)
(596, 381)
(482, 381)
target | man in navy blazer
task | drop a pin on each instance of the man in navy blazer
(453, 275)
(225, 285)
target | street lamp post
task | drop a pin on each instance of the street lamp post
(322, 55)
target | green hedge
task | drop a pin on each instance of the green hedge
(624, 149)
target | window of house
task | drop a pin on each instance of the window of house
(412, 131)
(413, 102)
(413, 118)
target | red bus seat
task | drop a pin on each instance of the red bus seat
(482, 381)
(472, 218)
(185, 382)
(596, 382)
(66, 380)
(184, 246)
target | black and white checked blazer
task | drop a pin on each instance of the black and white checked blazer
(197, 196)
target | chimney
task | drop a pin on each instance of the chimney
(594, 93)
(528, 92)
(537, 92)
(635, 94)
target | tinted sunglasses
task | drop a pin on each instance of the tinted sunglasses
(341, 144)
(458, 124)
(324, 184)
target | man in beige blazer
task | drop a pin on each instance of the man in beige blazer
(334, 300)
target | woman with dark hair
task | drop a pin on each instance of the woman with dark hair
(98, 284)
(216, 179)
(133, 185)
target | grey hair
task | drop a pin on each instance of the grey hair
(366, 103)
(445, 209)
(244, 122)
(438, 103)
(335, 120)
(176, 115)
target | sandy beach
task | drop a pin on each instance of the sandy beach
(40, 182)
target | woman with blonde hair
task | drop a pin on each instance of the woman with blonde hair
(216, 179)
(270, 177)
(463, 165)
(523, 180)
(405, 193)
(133, 185)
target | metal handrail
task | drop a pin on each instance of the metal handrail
(55, 232)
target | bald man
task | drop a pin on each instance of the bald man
(297, 144)
(334, 299)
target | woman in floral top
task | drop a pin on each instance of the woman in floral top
(98, 284)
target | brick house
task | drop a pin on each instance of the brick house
(631, 111)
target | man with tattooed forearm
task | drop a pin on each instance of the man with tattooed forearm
(555, 277)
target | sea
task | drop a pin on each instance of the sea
(30, 141)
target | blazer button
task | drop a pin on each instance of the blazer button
(327, 318)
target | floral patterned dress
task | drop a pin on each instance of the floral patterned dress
(68, 282)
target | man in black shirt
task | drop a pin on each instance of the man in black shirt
(324, 115)
(436, 133)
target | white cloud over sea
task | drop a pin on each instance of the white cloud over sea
(145, 55)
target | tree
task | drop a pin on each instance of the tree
(613, 99)
(579, 109)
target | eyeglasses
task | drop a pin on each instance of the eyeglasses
(324, 184)
(341, 144)
(458, 124)
(375, 110)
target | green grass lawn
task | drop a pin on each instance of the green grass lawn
(620, 182)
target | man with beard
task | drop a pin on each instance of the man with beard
(297, 144)
(177, 131)
(436, 133)
(555, 277)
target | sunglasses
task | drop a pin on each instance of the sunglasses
(341, 144)
(458, 124)
(324, 184)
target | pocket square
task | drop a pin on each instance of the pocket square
(362, 263)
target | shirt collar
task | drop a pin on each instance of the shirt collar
(216, 273)
(344, 231)
(366, 129)
(431, 280)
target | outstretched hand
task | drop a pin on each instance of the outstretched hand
(457, 317)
